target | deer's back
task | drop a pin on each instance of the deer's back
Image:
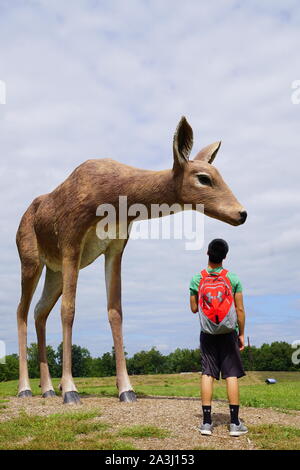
(65, 216)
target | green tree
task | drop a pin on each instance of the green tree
(250, 358)
(147, 362)
(54, 369)
(33, 361)
(281, 356)
(10, 370)
(96, 369)
(184, 360)
(108, 364)
(81, 360)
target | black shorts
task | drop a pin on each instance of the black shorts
(220, 353)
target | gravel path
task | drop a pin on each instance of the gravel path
(180, 417)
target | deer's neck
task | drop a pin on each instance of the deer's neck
(153, 187)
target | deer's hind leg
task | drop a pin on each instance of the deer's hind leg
(70, 268)
(51, 293)
(31, 271)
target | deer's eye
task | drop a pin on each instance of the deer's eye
(204, 179)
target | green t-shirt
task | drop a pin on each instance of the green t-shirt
(233, 278)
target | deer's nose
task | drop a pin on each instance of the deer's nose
(243, 216)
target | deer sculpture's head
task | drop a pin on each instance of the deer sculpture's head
(198, 182)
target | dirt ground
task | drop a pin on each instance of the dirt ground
(180, 416)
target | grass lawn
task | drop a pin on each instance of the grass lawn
(68, 431)
(90, 430)
(272, 437)
(254, 392)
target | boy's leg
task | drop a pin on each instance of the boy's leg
(236, 428)
(233, 390)
(232, 369)
(207, 383)
(233, 398)
(210, 370)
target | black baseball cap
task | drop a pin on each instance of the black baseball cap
(217, 250)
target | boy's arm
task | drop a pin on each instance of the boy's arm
(194, 286)
(194, 303)
(240, 311)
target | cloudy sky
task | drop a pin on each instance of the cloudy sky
(92, 79)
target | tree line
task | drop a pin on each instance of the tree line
(273, 357)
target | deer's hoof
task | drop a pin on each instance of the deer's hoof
(49, 394)
(128, 396)
(25, 394)
(71, 398)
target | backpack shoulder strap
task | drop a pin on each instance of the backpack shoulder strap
(223, 273)
(203, 275)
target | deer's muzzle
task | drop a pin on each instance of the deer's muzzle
(243, 216)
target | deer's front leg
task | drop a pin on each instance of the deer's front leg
(70, 276)
(113, 259)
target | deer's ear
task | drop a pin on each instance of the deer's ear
(182, 144)
(209, 153)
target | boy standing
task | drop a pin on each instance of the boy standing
(222, 318)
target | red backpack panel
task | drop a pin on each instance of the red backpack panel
(215, 295)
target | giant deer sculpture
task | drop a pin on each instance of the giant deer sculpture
(58, 231)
